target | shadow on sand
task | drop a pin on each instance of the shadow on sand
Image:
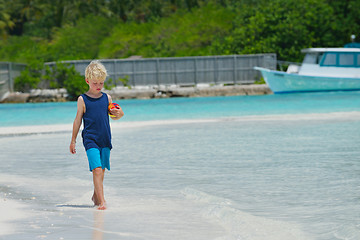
(75, 206)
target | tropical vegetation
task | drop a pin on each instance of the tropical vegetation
(37, 31)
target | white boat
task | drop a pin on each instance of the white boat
(323, 69)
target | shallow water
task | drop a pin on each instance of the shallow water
(284, 176)
(188, 108)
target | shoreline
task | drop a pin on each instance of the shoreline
(143, 92)
(13, 131)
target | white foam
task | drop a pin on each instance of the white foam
(348, 232)
(10, 211)
(42, 129)
(242, 225)
(36, 129)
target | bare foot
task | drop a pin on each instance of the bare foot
(102, 207)
(95, 201)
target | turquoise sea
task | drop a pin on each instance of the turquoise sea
(274, 167)
(188, 108)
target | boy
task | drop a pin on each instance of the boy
(92, 108)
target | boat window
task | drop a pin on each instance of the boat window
(330, 59)
(358, 60)
(319, 57)
(310, 58)
(346, 59)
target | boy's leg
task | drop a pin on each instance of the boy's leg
(98, 178)
(98, 159)
(95, 198)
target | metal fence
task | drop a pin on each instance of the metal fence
(180, 71)
(8, 72)
(184, 71)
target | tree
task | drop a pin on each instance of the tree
(347, 20)
(76, 29)
(5, 20)
(281, 26)
(81, 41)
(181, 34)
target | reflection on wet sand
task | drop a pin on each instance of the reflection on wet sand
(98, 225)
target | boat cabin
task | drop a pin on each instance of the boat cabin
(331, 62)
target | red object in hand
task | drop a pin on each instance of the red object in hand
(112, 106)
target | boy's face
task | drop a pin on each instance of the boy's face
(95, 85)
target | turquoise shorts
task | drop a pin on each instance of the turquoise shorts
(98, 158)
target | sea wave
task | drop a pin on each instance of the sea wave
(242, 225)
(58, 128)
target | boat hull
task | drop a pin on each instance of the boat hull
(282, 82)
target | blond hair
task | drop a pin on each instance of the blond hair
(95, 71)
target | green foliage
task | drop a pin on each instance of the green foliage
(261, 81)
(75, 83)
(80, 41)
(110, 83)
(346, 21)
(191, 33)
(125, 81)
(30, 77)
(283, 27)
(56, 74)
(53, 30)
(5, 20)
(181, 34)
(63, 75)
(23, 49)
(127, 40)
(60, 75)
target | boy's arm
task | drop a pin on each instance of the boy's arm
(117, 112)
(77, 123)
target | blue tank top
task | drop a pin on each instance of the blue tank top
(96, 132)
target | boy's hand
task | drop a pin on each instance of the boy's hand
(72, 148)
(117, 112)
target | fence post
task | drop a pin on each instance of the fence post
(195, 71)
(157, 72)
(235, 69)
(133, 72)
(115, 72)
(11, 81)
(216, 70)
(175, 72)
